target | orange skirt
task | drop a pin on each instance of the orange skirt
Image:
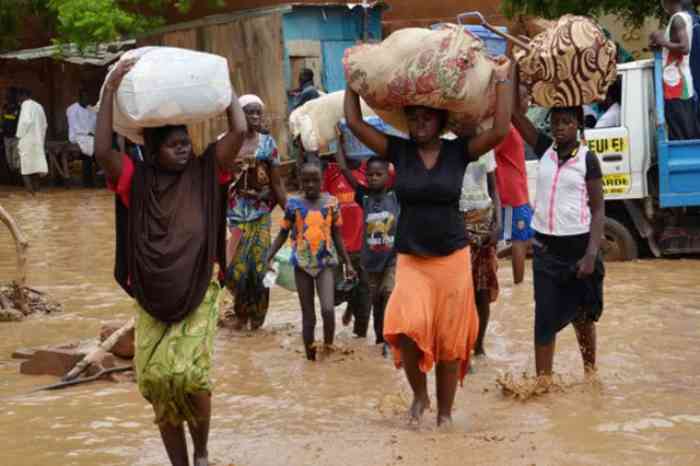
(433, 304)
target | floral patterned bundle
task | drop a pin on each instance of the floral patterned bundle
(448, 69)
(570, 64)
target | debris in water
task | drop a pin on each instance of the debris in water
(37, 302)
(526, 387)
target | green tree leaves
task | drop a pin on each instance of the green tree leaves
(632, 12)
(86, 22)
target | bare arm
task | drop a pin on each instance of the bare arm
(597, 205)
(371, 137)
(340, 247)
(521, 122)
(110, 160)
(496, 200)
(343, 163)
(228, 148)
(679, 38)
(278, 186)
(484, 142)
(276, 246)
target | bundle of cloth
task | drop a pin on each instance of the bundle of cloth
(448, 68)
(170, 86)
(570, 64)
(316, 121)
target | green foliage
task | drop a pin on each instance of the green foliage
(86, 22)
(632, 12)
(11, 14)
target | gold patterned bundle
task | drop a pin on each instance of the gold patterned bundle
(570, 64)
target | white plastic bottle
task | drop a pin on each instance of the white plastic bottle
(271, 276)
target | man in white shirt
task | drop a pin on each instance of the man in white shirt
(611, 105)
(81, 131)
(31, 133)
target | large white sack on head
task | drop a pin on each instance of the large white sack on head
(316, 120)
(170, 86)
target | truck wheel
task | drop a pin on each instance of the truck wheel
(618, 242)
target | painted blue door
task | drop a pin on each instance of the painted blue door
(333, 74)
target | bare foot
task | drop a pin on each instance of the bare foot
(543, 385)
(444, 421)
(238, 324)
(311, 352)
(418, 407)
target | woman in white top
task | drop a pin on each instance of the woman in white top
(569, 215)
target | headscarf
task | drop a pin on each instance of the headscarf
(172, 232)
(248, 99)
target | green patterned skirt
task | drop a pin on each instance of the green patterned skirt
(245, 274)
(173, 360)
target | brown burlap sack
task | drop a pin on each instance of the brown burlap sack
(571, 64)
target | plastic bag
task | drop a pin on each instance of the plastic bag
(316, 121)
(170, 86)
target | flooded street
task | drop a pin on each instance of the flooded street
(272, 407)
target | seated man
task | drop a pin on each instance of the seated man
(81, 131)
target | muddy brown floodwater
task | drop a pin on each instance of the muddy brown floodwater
(271, 407)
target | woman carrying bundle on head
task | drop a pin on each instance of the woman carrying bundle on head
(568, 223)
(431, 316)
(171, 230)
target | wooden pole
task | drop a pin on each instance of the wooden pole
(21, 245)
(101, 350)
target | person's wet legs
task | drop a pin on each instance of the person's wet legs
(359, 302)
(518, 255)
(29, 184)
(88, 173)
(410, 357)
(259, 309)
(305, 290)
(325, 286)
(378, 308)
(199, 431)
(240, 313)
(446, 377)
(586, 336)
(544, 358)
(483, 308)
(175, 443)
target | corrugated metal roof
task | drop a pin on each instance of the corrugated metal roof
(100, 55)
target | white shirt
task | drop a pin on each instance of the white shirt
(475, 188)
(31, 132)
(611, 118)
(561, 203)
(81, 121)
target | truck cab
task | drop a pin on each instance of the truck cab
(651, 184)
